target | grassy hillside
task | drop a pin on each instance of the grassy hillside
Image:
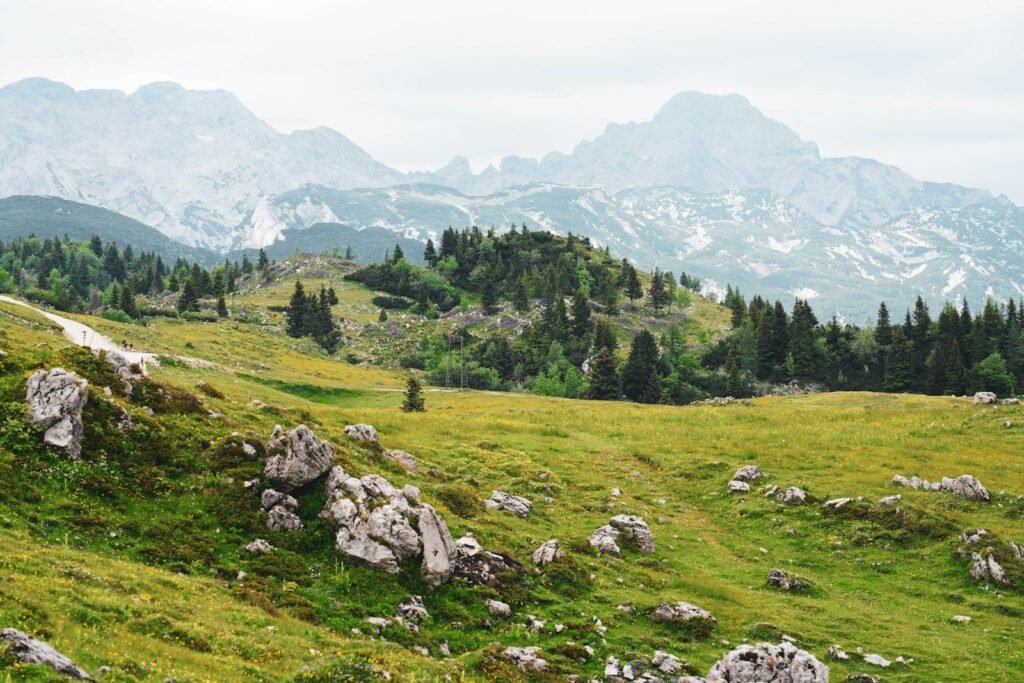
(130, 559)
(24, 215)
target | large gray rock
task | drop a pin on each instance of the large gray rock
(55, 400)
(27, 650)
(526, 658)
(280, 518)
(517, 505)
(125, 370)
(362, 432)
(984, 398)
(681, 613)
(794, 496)
(777, 578)
(605, 540)
(439, 551)
(986, 568)
(481, 567)
(296, 458)
(748, 473)
(547, 553)
(635, 530)
(965, 486)
(767, 663)
(382, 525)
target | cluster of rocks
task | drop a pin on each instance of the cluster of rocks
(55, 400)
(25, 649)
(548, 552)
(506, 502)
(368, 434)
(965, 486)
(296, 458)
(984, 565)
(682, 613)
(482, 567)
(125, 371)
(381, 525)
(282, 511)
(744, 476)
(526, 658)
(631, 529)
(782, 580)
(761, 663)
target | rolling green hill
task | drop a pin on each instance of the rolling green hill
(24, 215)
(133, 558)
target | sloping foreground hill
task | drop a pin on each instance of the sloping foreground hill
(131, 558)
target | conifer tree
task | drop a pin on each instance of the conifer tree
(332, 297)
(801, 341)
(631, 283)
(188, 300)
(733, 383)
(263, 263)
(127, 302)
(397, 255)
(955, 374)
(383, 317)
(348, 253)
(640, 373)
(222, 307)
(413, 402)
(297, 310)
(520, 299)
(604, 376)
(429, 254)
(656, 292)
(604, 336)
(883, 328)
(899, 362)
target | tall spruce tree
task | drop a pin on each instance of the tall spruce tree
(631, 283)
(604, 376)
(640, 373)
(297, 311)
(413, 402)
(883, 328)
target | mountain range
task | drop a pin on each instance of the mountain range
(710, 186)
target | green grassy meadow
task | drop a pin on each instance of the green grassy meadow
(130, 558)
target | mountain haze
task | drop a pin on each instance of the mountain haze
(709, 185)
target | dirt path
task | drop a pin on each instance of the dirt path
(83, 335)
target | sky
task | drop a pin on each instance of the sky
(934, 87)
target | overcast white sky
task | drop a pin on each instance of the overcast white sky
(933, 86)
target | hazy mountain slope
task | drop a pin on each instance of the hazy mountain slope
(21, 216)
(716, 143)
(190, 163)
(754, 239)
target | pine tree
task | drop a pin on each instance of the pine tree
(348, 253)
(397, 255)
(297, 309)
(802, 341)
(413, 402)
(581, 323)
(188, 300)
(429, 254)
(656, 292)
(899, 363)
(332, 297)
(634, 290)
(264, 263)
(383, 317)
(96, 245)
(604, 336)
(127, 302)
(520, 299)
(883, 328)
(935, 370)
(222, 307)
(640, 373)
(604, 376)
(955, 372)
(733, 383)
(112, 263)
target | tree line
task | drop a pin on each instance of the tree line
(956, 352)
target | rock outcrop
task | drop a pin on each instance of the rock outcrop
(497, 608)
(794, 496)
(767, 663)
(126, 372)
(737, 486)
(635, 532)
(517, 505)
(55, 400)
(382, 525)
(965, 486)
(986, 568)
(27, 650)
(259, 547)
(984, 398)
(681, 613)
(482, 567)
(748, 473)
(525, 658)
(362, 432)
(296, 458)
(777, 578)
(626, 528)
(547, 553)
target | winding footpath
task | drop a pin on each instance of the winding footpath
(83, 335)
